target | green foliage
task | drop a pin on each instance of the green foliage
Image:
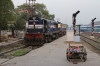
(52, 16)
(6, 10)
(40, 10)
(12, 27)
(20, 23)
(21, 7)
(20, 52)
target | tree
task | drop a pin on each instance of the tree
(6, 10)
(20, 23)
(52, 16)
(40, 10)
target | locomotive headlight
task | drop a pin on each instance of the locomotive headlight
(38, 32)
(34, 23)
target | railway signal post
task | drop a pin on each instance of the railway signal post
(76, 38)
(74, 20)
(92, 25)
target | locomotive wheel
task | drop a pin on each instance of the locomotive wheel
(57, 36)
(38, 42)
(46, 39)
(26, 40)
(41, 42)
(85, 58)
(49, 39)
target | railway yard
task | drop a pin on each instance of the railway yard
(53, 54)
(33, 35)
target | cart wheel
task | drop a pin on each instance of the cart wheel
(85, 58)
(68, 58)
(67, 55)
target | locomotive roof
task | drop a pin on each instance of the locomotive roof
(39, 19)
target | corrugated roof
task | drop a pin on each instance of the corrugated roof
(95, 23)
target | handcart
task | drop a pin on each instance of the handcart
(81, 54)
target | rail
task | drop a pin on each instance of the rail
(92, 42)
(2, 53)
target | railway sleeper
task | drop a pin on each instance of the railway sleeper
(46, 39)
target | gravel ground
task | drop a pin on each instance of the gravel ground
(9, 40)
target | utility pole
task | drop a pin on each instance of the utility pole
(32, 7)
(74, 20)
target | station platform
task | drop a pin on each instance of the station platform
(53, 54)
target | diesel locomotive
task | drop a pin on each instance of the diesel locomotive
(40, 30)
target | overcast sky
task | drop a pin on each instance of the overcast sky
(64, 9)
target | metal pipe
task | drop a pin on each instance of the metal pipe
(79, 30)
(26, 11)
(32, 8)
(29, 7)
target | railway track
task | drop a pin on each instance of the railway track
(10, 48)
(92, 42)
(2, 53)
(4, 49)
